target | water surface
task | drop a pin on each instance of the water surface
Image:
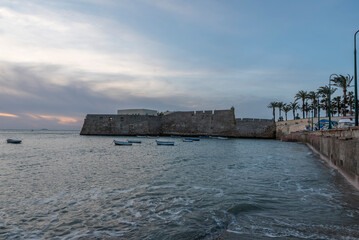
(61, 185)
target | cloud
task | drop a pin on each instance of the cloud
(8, 115)
(37, 91)
(63, 120)
(63, 60)
(75, 40)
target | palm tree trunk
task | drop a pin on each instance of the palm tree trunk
(274, 114)
(303, 108)
(345, 102)
(327, 102)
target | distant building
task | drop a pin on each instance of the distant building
(147, 112)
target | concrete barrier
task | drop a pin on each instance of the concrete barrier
(339, 147)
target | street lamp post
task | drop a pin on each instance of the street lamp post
(318, 115)
(313, 119)
(355, 80)
(329, 104)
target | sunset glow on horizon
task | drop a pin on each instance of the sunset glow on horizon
(8, 115)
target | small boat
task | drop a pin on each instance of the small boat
(141, 136)
(187, 140)
(193, 139)
(222, 138)
(165, 143)
(13, 141)
(122, 143)
(134, 141)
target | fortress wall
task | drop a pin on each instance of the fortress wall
(219, 122)
(255, 128)
(190, 123)
(186, 123)
(98, 124)
(224, 122)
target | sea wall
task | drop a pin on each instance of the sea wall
(190, 123)
(255, 128)
(112, 124)
(339, 147)
(218, 122)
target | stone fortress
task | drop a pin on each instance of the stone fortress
(132, 122)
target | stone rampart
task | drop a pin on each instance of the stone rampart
(257, 128)
(339, 147)
(190, 123)
(219, 122)
(98, 124)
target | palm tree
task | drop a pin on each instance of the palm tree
(350, 101)
(273, 105)
(313, 96)
(324, 92)
(280, 106)
(307, 108)
(303, 96)
(337, 104)
(294, 106)
(286, 109)
(343, 82)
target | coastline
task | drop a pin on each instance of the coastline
(338, 147)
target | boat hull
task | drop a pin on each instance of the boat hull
(13, 141)
(192, 139)
(165, 143)
(119, 143)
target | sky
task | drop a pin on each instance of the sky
(63, 59)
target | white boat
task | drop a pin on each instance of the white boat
(222, 138)
(134, 141)
(165, 143)
(15, 141)
(187, 140)
(192, 139)
(120, 143)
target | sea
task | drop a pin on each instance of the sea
(61, 185)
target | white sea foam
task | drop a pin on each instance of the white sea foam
(164, 186)
(124, 191)
(53, 198)
(232, 231)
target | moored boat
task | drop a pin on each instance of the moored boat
(222, 138)
(15, 141)
(193, 139)
(165, 143)
(134, 141)
(120, 143)
(187, 140)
